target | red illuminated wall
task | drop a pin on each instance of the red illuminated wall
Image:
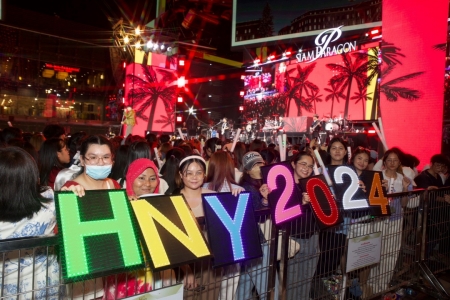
(321, 101)
(151, 92)
(414, 28)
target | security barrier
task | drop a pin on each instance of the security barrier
(298, 262)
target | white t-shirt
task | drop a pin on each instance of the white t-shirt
(41, 223)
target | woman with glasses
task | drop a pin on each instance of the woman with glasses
(302, 266)
(96, 159)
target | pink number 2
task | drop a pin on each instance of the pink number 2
(281, 213)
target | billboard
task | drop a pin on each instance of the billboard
(256, 22)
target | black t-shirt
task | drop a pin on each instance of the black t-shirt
(425, 179)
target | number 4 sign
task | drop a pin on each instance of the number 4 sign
(347, 190)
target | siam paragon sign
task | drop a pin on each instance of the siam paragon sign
(325, 46)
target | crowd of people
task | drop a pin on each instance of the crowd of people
(34, 165)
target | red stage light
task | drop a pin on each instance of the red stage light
(241, 93)
(179, 119)
(375, 31)
(371, 131)
(181, 62)
(124, 65)
(180, 99)
(241, 108)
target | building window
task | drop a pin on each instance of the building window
(90, 107)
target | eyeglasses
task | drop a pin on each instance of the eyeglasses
(194, 174)
(305, 165)
(93, 160)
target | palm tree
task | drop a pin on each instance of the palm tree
(313, 97)
(335, 93)
(393, 92)
(389, 55)
(147, 90)
(299, 83)
(167, 120)
(361, 95)
(351, 70)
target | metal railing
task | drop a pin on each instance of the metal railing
(299, 261)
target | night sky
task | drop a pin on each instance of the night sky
(92, 12)
(284, 11)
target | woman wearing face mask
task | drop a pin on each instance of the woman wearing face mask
(96, 159)
(302, 266)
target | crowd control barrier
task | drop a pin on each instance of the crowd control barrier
(298, 261)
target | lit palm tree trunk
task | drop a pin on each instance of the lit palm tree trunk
(347, 101)
(332, 105)
(152, 112)
(299, 109)
(375, 102)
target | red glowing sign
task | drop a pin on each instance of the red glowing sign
(62, 68)
(323, 203)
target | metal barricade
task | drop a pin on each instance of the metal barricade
(318, 269)
(251, 279)
(435, 252)
(299, 261)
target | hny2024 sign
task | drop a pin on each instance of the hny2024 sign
(104, 233)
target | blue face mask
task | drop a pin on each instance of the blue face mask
(98, 172)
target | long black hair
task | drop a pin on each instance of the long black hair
(20, 195)
(48, 158)
(138, 149)
(120, 162)
(170, 169)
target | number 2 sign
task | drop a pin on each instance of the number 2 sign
(284, 198)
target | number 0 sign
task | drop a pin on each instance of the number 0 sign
(322, 201)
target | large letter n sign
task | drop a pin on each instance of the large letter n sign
(98, 234)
